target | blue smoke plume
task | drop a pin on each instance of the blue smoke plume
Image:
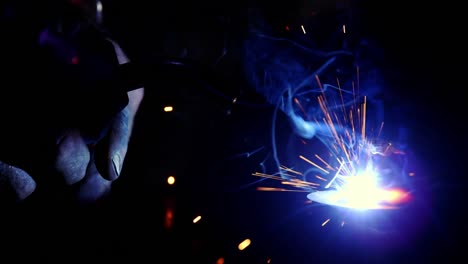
(290, 71)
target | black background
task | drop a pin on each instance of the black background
(424, 65)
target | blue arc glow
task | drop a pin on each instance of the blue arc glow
(334, 105)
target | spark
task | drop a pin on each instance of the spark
(196, 219)
(296, 101)
(169, 218)
(244, 244)
(311, 162)
(324, 162)
(303, 29)
(320, 178)
(326, 222)
(171, 180)
(290, 170)
(380, 130)
(279, 189)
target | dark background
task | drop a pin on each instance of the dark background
(204, 141)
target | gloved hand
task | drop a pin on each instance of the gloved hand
(88, 163)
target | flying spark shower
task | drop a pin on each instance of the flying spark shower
(358, 167)
(345, 160)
